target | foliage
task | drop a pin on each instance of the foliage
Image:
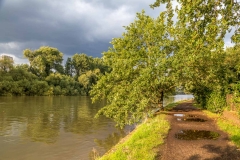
(46, 76)
(69, 69)
(236, 96)
(17, 81)
(81, 63)
(152, 58)
(63, 85)
(6, 64)
(154, 55)
(142, 142)
(216, 102)
(232, 62)
(140, 65)
(199, 33)
(44, 60)
(97, 63)
(88, 79)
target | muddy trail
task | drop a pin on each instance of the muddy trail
(194, 136)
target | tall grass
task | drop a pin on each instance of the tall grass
(142, 143)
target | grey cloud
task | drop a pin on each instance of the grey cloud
(76, 26)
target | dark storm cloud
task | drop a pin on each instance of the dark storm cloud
(76, 26)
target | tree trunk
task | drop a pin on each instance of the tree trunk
(160, 102)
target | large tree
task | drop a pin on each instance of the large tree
(82, 63)
(44, 60)
(153, 54)
(199, 33)
(140, 63)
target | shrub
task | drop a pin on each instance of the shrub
(216, 102)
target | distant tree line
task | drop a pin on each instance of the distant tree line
(45, 75)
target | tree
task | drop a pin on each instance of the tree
(44, 60)
(63, 84)
(6, 64)
(140, 65)
(69, 69)
(88, 79)
(81, 63)
(199, 35)
(99, 64)
(232, 62)
(155, 53)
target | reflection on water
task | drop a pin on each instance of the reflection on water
(196, 134)
(53, 128)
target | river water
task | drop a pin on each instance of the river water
(55, 128)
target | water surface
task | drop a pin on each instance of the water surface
(52, 128)
(56, 128)
(196, 135)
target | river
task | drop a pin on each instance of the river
(55, 128)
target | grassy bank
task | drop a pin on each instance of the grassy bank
(170, 106)
(142, 143)
(232, 129)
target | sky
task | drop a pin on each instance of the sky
(72, 26)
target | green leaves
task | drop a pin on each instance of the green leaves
(6, 64)
(199, 37)
(155, 55)
(139, 61)
(44, 59)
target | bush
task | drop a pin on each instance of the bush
(236, 100)
(216, 102)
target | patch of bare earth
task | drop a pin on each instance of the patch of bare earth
(232, 116)
(201, 149)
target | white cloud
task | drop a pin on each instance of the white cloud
(17, 60)
(9, 45)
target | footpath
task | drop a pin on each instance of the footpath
(194, 136)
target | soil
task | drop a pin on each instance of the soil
(232, 116)
(200, 149)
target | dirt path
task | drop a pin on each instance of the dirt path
(201, 149)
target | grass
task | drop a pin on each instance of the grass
(143, 142)
(170, 106)
(232, 129)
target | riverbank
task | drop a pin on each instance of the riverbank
(142, 143)
(228, 123)
(181, 117)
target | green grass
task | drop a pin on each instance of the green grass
(170, 106)
(227, 126)
(143, 142)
